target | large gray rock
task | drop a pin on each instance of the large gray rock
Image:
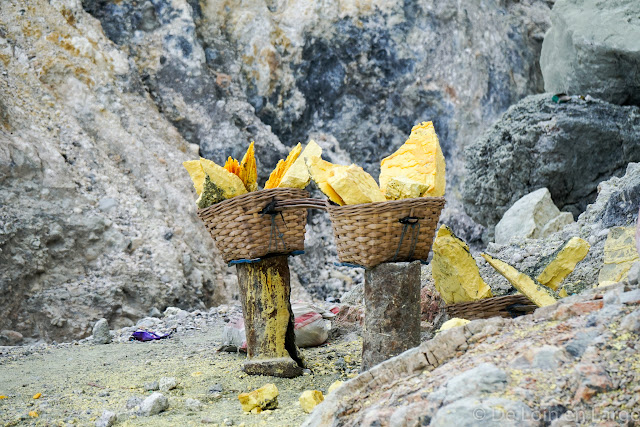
(101, 332)
(97, 215)
(568, 148)
(154, 404)
(592, 48)
(532, 216)
(485, 378)
(474, 412)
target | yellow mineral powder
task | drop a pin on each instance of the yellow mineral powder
(619, 255)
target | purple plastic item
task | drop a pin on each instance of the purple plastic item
(146, 336)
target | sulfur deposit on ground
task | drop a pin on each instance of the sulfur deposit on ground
(80, 380)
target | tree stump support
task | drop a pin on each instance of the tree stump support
(268, 318)
(391, 311)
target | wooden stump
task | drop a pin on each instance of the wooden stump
(391, 311)
(268, 319)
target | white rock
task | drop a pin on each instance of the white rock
(154, 404)
(101, 333)
(167, 383)
(107, 419)
(533, 216)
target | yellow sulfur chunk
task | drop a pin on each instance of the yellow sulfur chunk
(266, 397)
(563, 293)
(420, 159)
(249, 169)
(563, 264)
(454, 270)
(334, 386)
(537, 293)
(619, 255)
(355, 186)
(400, 187)
(282, 167)
(309, 399)
(232, 166)
(230, 184)
(196, 173)
(453, 323)
(320, 171)
(298, 174)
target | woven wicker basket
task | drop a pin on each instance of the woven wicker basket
(252, 225)
(504, 306)
(373, 233)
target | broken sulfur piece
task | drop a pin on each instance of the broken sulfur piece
(282, 167)
(454, 270)
(539, 294)
(147, 336)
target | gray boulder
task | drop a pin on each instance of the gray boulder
(474, 412)
(533, 216)
(592, 48)
(485, 378)
(101, 333)
(568, 148)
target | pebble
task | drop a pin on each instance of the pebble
(107, 419)
(101, 333)
(167, 383)
(151, 386)
(228, 422)
(193, 404)
(154, 404)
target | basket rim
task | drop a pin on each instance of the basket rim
(490, 300)
(389, 205)
(250, 196)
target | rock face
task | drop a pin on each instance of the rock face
(601, 60)
(97, 218)
(360, 72)
(568, 148)
(532, 216)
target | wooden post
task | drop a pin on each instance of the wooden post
(391, 311)
(268, 319)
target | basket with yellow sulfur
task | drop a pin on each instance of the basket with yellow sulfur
(258, 223)
(373, 233)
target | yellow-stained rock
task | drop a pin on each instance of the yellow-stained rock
(420, 159)
(249, 169)
(298, 174)
(230, 184)
(334, 386)
(401, 187)
(355, 186)
(454, 270)
(620, 254)
(282, 167)
(453, 323)
(309, 399)
(266, 397)
(563, 264)
(563, 293)
(320, 171)
(538, 294)
(196, 173)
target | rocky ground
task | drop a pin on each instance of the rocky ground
(79, 381)
(575, 362)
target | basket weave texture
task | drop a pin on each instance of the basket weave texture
(503, 306)
(373, 233)
(242, 229)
